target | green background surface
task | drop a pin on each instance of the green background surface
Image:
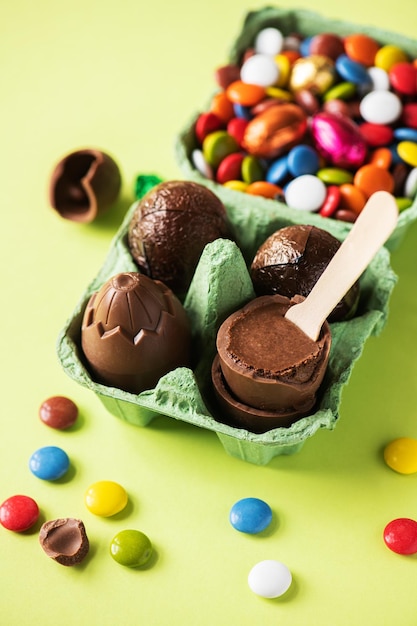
(124, 77)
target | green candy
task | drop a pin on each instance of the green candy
(334, 176)
(252, 170)
(341, 91)
(403, 203)
(217, 146)
(131, 548)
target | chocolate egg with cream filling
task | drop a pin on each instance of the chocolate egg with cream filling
(170, 228)
(134, 330)
(290, 262)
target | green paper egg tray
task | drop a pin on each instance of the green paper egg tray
(248, 212)
(222, 284)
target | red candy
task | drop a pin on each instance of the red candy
(230, 168)
(376, 134)
(207, 123)
(331, 202)
(236, 128)
(400, 535)
(409, 114)
(403, 77)
(18, 513)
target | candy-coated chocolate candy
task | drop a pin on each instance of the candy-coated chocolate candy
(252, 169)
(331, 202)
(403, 203)
(49, 463)
(352, 71)
(105, 498)
(284, 69)
(222, 106)
(305, 193)
(200, 163)
(327, 44)
(370, 178)
(226, 74)
(376, 134)
(269, 41)
(403, 78)
(407, 150)
(410, 185)
(401, 455)
(58, 412)
(259, 69)
(264, 188)
(405, 134)
(279, 94)
(351, 198)
(230, 168)
(278, 171)
(18, 513)
(236, 185)
(400, 535)
(338, 140)
(314, 72)
(236, 128)
(131, 548)
(344, 215)
(361, 48)
(308, 101)
(217, 146)
(381, 157)
(305, 46)
(399, 172)
(303, 159)
(272, 132)
(243, 93)
(242, 112)
(409, 114)
(207, 123)
(335, 175)
(250, 515)
(380, 107)
(342, 91)
(379, 78)
(388, 56)
(269, 579)
(337, 107)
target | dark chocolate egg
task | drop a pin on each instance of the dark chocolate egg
(290, 262)
(170, 228)
(134, 331)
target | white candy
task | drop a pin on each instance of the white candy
(269, 579)
(201, 164)
(379, 79)
(305, 193)
(259, 69)
(269, 41)
(410, 185)
(380, 107)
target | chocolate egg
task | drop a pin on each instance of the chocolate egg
(315, 72)
(84, 184)
(290, 262)
(338, 139)
(275, 130)
(134, 331)
(170, 228)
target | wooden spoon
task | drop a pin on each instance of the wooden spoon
(372, 228)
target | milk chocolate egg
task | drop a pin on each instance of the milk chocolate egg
(275, 130)
(290, 262)
(170, 228)
(134, 331)
(338, 139)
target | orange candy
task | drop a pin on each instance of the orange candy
(265, 189)
(361, 48)
(351, 198)
(222, 107)
(381, 157)
(371, 178)
(245, 94)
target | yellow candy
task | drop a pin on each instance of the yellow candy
(280, 94)
(284, 67)
(401, 455)
(105, 498)
(236, 185)
(389, 55)
(407, 150)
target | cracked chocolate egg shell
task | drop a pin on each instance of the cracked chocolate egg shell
(170, 228)
(65, 540)
(290, 262)
(134, 330)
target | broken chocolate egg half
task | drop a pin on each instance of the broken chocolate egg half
(170, 228)
(267, 372)
(84, 184)
(65, 540)
(134, 330)
(290, 262)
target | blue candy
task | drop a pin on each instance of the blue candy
(277, 171)
(303, 160)
(49, 463)
(352, 71)
(406, 134)
(242, 111)
(250, 515)
(305, 47)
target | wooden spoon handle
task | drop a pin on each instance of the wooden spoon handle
(372, 228)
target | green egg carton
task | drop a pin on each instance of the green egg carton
(251, 212)
(187, 395)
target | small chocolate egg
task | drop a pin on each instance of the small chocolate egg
(290, 262)
(315, 72)
(170, 228)
(338, 139)
(134, 330)
(275, 130)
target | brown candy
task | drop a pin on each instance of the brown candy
(84, 184)
(275, 130)
(328, 45)
(65, 540)
(170, 228)
(134, 331)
